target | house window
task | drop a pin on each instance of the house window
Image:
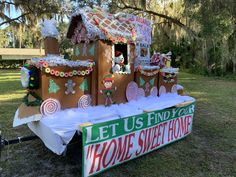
(120, 62)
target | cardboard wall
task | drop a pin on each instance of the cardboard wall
(143, 81)
(104, 67)
(51, 46)
(168, 86)
(91, 54)
(66, 101)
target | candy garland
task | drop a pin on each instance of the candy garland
(72, 73)
(132, 91)
(151, 70)
(145, 73)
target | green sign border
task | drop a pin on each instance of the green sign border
(84, 132)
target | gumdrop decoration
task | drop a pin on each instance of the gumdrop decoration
(53, 87)
(162, 90)
(152, 81)
(132, 91)
(84, 85)
(91, 50)
(174, 89)
(70, 87)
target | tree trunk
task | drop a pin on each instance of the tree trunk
(205, 55)
(234, 58)
(234, 66)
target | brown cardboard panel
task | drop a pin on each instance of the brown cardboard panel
(27, 111)
(91, 55)
(94, 75)
(104, 68)
(120, 80)
(66, 101)
(51, 46)
(88, 53)
(168, 86)
(147, 85)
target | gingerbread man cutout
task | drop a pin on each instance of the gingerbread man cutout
(69, 87)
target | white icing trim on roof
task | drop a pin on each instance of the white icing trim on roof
(148, 67)
(170, 70)
(55, 60)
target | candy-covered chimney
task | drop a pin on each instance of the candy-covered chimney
(50, 34)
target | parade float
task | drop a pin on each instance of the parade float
(123, 101)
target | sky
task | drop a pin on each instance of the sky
(13, 14)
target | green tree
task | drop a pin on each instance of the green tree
(3, 39)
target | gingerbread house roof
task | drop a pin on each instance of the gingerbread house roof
(100, 24)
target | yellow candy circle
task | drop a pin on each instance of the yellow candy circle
(87, 71)
(47, 70)
(62, 74)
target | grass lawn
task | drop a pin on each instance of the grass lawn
(209, 151)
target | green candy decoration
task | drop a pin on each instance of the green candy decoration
(77, 52)
(91, 50)
(53, 87)
(141, 81)
(152, 81)
(84, 85)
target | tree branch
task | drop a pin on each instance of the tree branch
(14, 19)
(5, 2)
(171, 19)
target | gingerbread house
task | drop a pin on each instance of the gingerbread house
(111, 63)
